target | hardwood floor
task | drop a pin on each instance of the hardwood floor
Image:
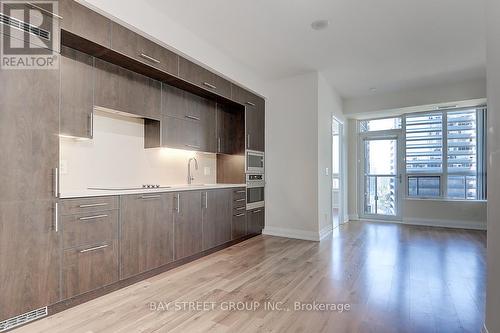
(395, 279)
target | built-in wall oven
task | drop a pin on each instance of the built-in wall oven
(255, 190)
(254, 161)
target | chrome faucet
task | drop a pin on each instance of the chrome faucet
(190, 176)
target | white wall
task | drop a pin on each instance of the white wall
(493, 254)
(445, 93)
(291, 157)
(329, 105)
(116, 157)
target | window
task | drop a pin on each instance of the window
(445, 154)
(380, 124)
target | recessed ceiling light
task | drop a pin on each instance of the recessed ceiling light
(373, 89)
(320, 24)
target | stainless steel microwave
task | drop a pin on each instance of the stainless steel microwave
(254, 161)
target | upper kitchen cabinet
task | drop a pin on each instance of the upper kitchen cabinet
(255, 117)
(77, 93)
(230, 130)
(122, 90)
(84, 22)
(202, 77)
(189, 121)
(135, 46)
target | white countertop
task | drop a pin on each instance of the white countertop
(163, 189)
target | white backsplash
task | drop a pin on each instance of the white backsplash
(116, 157)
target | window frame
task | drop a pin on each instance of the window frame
(481, 147)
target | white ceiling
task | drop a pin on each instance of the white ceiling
(387, 44)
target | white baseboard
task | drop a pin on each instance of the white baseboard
(292, 233)
(484, 330)
(474, 225)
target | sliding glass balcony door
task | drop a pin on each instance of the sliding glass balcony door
(381, 178)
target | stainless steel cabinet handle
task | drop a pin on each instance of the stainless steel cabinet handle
(248, 140)
(145, 56)
(250, 103)
(94, 205)
(240, 215)
(209, 85)
(91, 124)
(150, 197)
(56, 217)
(86, 218)
(239, 200)
(193, 146)
(192, 117)
(218, 144)
(257, 211)
(240, 208)
(241, 191)
(94, 248)
(206, 200)
(56, 182)
(178, 203)
(45, 10)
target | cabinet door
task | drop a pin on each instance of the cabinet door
(119, 89)
(187, 224)
(77, 93)
(239, 225)
(255, 127)
(90, 267)
(216, 217)
(202, 77)
(29, 128)
(146, 232)
(181, 134)
(255, 221)
(29, 257)
(135, 46)
(84, 22)
(230, 130)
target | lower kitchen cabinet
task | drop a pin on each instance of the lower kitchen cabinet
(239, 225)
(146, 232)
(29, 257)
(89, 267)
(187, 224)
(255, 220)
(217, 213)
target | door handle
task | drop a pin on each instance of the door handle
(56, 217)
(209, 85)
(56, 182)
(86, 218)
(145, 56)
(94, 248)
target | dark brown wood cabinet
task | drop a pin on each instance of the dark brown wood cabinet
(239, 213)
(255, 117)
(137, 47)
(122, 90)
(29, 128)
(204, 78)
(189, 121)
(146, 232)
(77, 93)
(89, 267)
(187, 224)
(216, 217)
(84, 22)
(230, 130)
(255, 220)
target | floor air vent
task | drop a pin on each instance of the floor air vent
(23, 26)
(22, 319)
